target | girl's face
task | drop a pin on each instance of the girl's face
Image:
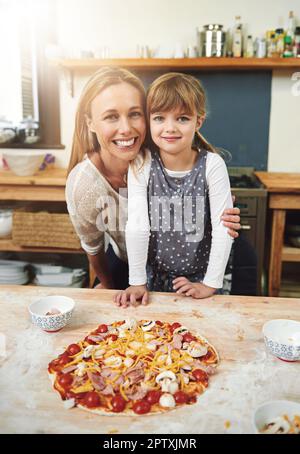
(173, 131)
(118, 120)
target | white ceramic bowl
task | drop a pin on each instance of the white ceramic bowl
(24, 162)
(282, 339)
(5, 222)
(269, 411)
(52, 323)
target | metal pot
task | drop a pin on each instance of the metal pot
(29, 131)
(212, 41)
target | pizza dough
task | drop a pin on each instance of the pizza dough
(134, 367)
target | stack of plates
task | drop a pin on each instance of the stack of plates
(58, 276)
(13, 272)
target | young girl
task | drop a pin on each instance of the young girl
(182, 188)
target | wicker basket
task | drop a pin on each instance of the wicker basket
(44, 229)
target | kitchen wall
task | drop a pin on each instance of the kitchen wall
(121, 25)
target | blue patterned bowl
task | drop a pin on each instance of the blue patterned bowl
(282, 339)
(54, 322)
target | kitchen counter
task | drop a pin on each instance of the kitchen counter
(284, 194)
(247, 375)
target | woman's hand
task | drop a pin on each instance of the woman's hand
(132, 296)
(196, 290)
(231, 219)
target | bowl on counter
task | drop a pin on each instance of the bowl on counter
(282, 339)
(6, 219)
(52, 313)
(24, 162)
(274, 417)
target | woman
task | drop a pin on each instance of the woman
(110, 131)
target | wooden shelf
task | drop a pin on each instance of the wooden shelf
(290, 254)
(195, 64)
(8, 246)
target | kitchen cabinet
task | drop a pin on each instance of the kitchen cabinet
(47, 186)
(246, 377)
(284, 194)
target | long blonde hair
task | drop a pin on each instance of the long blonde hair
(84, 140)
(176, 90)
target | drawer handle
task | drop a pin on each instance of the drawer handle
(245, 227)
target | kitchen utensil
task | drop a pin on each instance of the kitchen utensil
(28, 131)
(212, 41)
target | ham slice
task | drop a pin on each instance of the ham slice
(107, 372)
(136, 392)
(135, 376)
(107, 390)
(177, 341)
(97, 381)
(208, 369)
(69, 369)
(96, 338)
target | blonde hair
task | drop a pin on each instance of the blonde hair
(176, 90)
(84, 140)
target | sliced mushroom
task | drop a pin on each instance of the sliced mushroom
(167, 401)
(147, 326)
(151, 347)
(88, 351)
(148, 336)
(130, 323)
(135, 345)
(173, 387)
(180, 330)
(164, 379)
(130, 352)
(128, 362)
(113, 361)
(196, 350)
(69, 403)
(277, 426)
(81, 369)
(99, 353)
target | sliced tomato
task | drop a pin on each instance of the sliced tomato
(140, 407)
(181, 397)
(113, 337)
(153, 397)
(118, 403)
(192, 399)
(208, 355)
(159, 323)
(200, 376)
(65, 380)
(188, 337)
(64, 359)
(174, 326)
(102, 328)
(73, 349)
(89, 341)
(91, 399)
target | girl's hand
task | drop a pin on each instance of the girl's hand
(194, 289)
(132, 296)
(231, 219)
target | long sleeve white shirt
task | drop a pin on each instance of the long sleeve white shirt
(138, 227)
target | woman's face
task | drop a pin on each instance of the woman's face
(118, 120)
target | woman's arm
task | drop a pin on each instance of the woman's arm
(100, 266)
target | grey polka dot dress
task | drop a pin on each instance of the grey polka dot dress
(179, 216)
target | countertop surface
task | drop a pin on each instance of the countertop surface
(280, 182)
(247, 375)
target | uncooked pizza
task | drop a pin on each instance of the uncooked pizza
(134, 367)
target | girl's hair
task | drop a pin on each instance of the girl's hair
(176, 90)
(84, 140)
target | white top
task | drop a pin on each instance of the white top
(97, 211)
(138, 227)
